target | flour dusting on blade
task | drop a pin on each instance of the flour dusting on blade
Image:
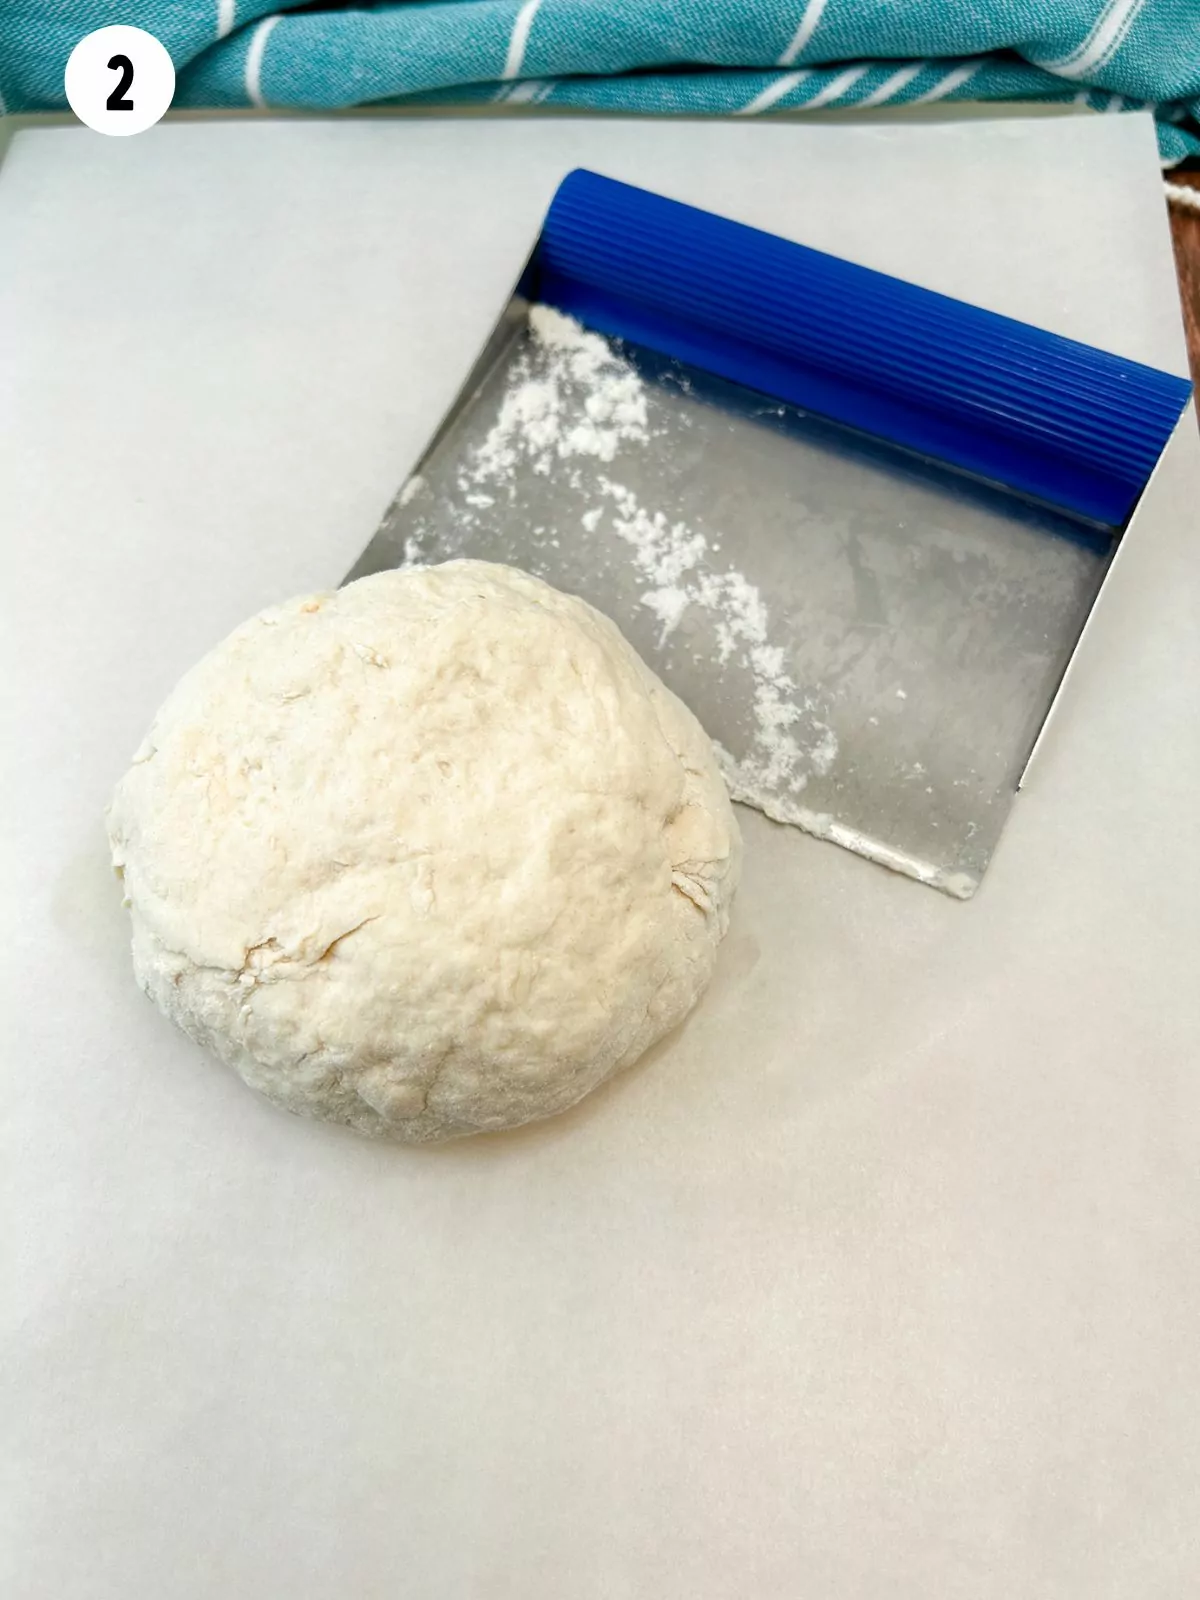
(574, 404)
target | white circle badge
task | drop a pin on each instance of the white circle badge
(119, 80)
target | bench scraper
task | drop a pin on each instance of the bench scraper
(856, 525)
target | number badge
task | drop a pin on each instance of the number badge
(119, 80)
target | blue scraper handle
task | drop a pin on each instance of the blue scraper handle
(1062, 422)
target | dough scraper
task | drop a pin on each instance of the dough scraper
(856, 525)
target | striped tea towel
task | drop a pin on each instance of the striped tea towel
(725, 57)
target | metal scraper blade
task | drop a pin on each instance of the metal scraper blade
(872, 641)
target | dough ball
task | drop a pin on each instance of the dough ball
(433, 854)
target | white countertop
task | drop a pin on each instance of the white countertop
(882, 1278)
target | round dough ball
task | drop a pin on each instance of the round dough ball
(433, 854)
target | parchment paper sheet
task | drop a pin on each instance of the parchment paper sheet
(882, 1278)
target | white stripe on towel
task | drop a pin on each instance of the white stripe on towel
(835, 88)
(1101, 44)
(893, 85)
(524, 93)
(254, 60)
(773, 93)
(226, 15)
(952, 80)
(519, 38)
(805, 29)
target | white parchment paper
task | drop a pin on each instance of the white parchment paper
(882, 1278)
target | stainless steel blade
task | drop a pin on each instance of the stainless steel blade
(871, 641)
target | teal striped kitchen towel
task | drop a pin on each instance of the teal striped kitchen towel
(697, 57)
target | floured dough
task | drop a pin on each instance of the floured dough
(432, 854)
